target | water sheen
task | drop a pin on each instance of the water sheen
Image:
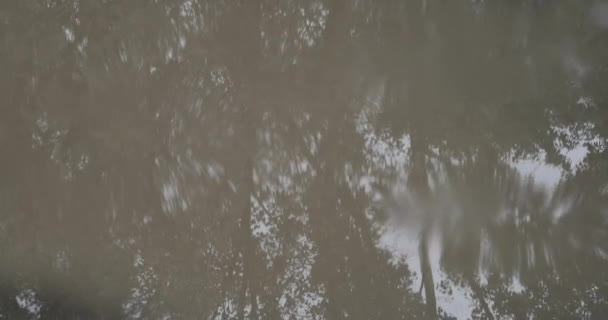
(324, 159)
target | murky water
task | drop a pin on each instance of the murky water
(321, 159)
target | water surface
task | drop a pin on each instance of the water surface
(320, 159)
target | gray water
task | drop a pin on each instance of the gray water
(279, 159)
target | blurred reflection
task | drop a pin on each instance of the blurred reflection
(303, 160)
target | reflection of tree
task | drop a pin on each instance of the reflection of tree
(210, 152)
(479, 122)
(159, 133)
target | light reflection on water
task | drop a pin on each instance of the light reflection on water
(303, 160)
